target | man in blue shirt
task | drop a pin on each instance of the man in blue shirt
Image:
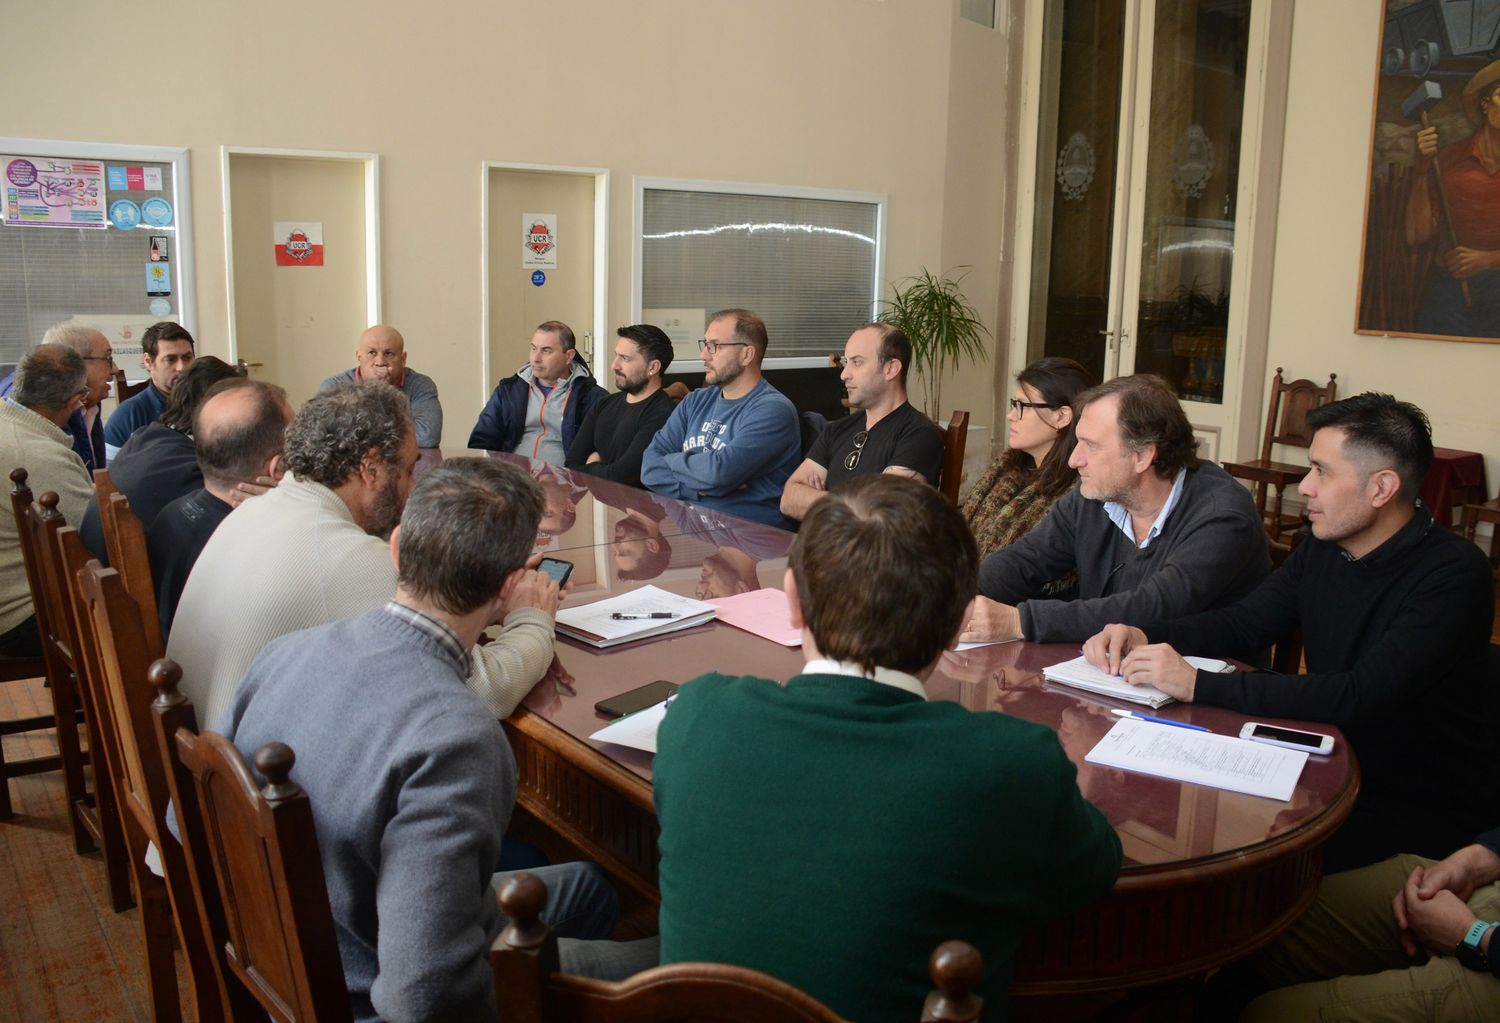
(84, 426)
(733, 443)
(167, 354)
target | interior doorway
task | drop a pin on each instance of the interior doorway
(296, 321)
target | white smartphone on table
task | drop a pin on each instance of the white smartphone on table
(1290, 738)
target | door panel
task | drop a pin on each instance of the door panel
(516, 305)
(301, 323)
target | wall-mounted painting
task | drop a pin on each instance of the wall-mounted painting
(1430, 266)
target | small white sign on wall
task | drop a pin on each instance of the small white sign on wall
(538, 241)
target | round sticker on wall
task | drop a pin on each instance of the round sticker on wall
(160, 307)
(157, 212)
(538, 278)
(125, 214)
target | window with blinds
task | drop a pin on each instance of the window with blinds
(51, 274)
(808, 264)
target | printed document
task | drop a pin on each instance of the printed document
(1218, 761)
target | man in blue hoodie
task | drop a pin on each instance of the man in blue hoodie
(537, 411)
(731, 444)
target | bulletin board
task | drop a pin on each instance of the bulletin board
(97, 233)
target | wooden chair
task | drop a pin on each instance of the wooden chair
(124, 389)
(1286, 424)
(123, 643)
(529, 988)
(18, 669)
(93, 814)
(954, 440)
(253, 857)
(125, 542)
(1489, 512)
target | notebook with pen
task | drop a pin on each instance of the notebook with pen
(639, 614)
(1080, 674)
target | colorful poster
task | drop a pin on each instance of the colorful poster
(538, 240)
(299, 244)
(158, 279)
(44, 192)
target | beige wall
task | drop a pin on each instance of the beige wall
(1319, 230)
(301, 323)
(850, 94)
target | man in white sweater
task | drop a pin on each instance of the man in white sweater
(51, 383)
(311, 551)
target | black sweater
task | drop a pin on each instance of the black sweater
(1396, 645)
(620, 431)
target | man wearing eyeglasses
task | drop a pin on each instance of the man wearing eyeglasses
(49, 387)
(732, 444)
(85, 426)
(885, 435)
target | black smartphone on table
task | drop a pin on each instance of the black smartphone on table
(636, 699)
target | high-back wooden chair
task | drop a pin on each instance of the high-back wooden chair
(92, 812)
(123, 643)
(1286, 424)
(21, 669)
(253, 856)
(125, 542)
(955, 439)
(529, 988)
(124, 388)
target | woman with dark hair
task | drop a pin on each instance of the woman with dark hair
(1017, 491)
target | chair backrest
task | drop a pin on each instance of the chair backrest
(125, 389)
(38, 523)
(529, 988)
(125, 541)
(1286, 414)
(253, 855)
(812, 424)
(955, 438)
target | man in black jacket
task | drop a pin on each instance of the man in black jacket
(1395, 613)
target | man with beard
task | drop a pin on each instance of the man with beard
(615, 433)
(312, 551)
(885, 435)
(731, 444)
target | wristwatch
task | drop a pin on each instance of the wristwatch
(1469, 951)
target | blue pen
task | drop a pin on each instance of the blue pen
(1159, 721)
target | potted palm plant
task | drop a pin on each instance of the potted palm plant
(943, 328)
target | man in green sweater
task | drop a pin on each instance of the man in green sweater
(833, 831)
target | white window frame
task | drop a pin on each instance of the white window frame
(182, 205)
(878, 199)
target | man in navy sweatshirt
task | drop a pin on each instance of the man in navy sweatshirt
(733, 443)
(1395, 613)
(537, 411)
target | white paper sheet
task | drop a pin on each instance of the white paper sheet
(638, 730)
(1219, 761)
(592, 622)
(1081, 674)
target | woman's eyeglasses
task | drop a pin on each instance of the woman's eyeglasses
(851, 461)
(1018, 406)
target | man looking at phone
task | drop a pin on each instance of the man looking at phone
(1395, 613)
(410, 774)
(845, 798)
(312, 551)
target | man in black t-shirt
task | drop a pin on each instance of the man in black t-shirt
(885, 435)
(619, 428)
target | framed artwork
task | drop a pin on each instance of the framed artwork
(1430, 263)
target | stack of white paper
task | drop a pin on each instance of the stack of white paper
(638, 730)
(1080, 674)
(1203, 758)
(639, 614)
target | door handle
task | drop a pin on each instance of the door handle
(1109, 339)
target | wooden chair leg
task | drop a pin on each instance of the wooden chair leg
(65, 714)
(159, 937)
(112, 844)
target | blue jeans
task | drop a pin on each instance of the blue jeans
(582, 909)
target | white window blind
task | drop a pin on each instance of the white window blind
(808, 265)
(52, 274)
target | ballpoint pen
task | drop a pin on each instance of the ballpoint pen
(1159, 721)
(622, 617)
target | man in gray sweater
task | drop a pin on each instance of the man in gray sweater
(410, 777)
(1151, 532)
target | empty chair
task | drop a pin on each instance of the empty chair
(528, 986)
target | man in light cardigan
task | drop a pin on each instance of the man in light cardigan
(311, 551)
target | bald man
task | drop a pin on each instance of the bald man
(381, 355)
(238, 434)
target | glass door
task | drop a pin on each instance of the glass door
(1137, 182)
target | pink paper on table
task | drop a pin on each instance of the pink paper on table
(762, 612)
